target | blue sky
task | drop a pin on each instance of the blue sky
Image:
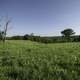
(41, 17)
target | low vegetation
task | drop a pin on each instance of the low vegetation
(26, 60)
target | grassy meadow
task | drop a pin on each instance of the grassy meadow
(26, 60)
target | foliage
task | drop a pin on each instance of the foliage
(67, 36)
(54, 39)
(1, 35)
(67, 33)
(16, 37)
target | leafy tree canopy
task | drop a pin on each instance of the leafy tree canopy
(67, 32)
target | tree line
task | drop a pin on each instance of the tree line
(67, 36)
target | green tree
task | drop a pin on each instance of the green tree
(67, 33)
(1, 35)
(26, 37)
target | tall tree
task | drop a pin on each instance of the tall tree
(67, 33)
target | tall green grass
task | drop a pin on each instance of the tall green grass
(26, 60)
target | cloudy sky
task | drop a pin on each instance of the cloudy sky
(41, 17)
